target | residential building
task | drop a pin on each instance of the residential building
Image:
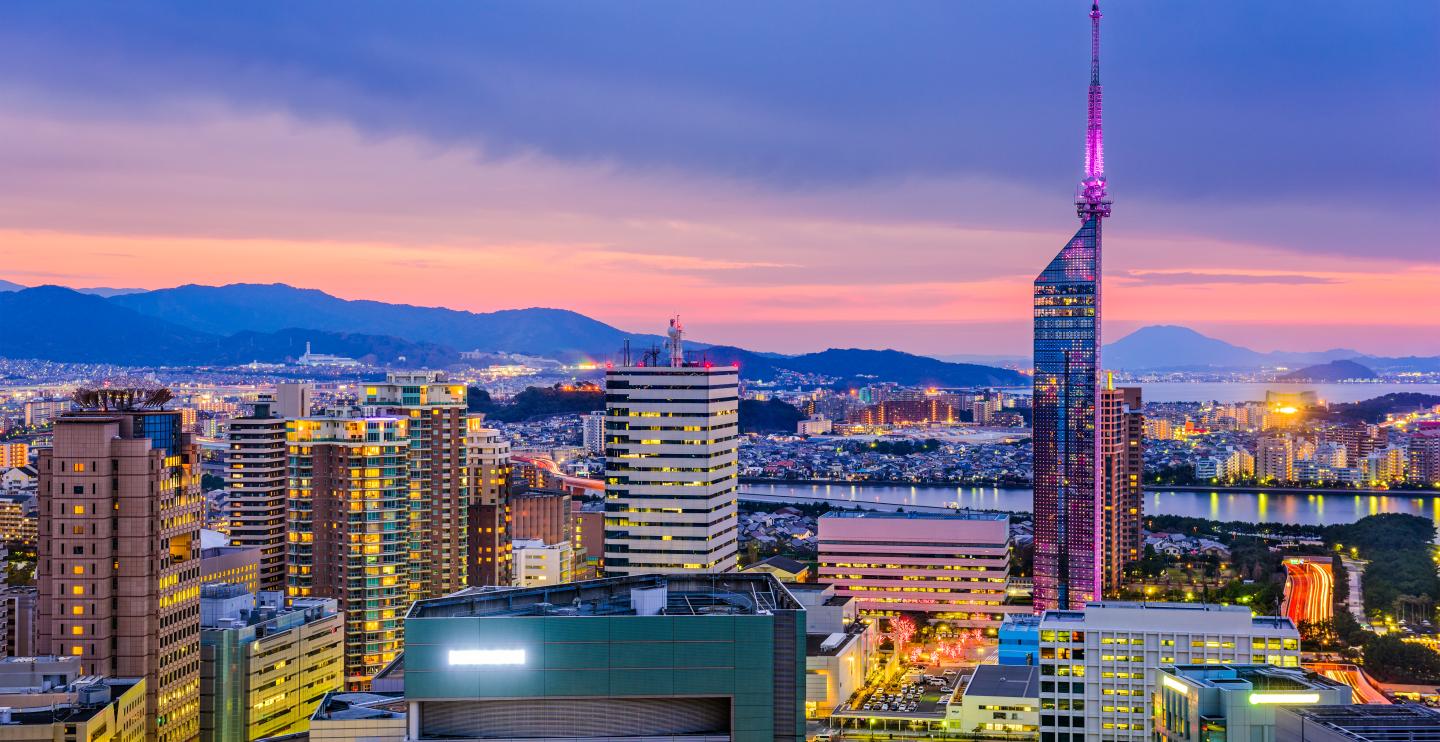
(784, 568)
(19, 480)
(17, 524)
(589, 538)
(348, 540)
(264, 668)
(1203, 703)
(234, 564)
(1386, 465)
(1357, 723)
(1098, 667)
(487, 469)
(592, 433)
(1275, 459)
(718, 656)
(17, 620)
(998, 700)
(670, 466)
(13, 455)
(118, 566)
(256, 487)
(1424, 456)
(952, 566)
(541, 514)
(41, 411)
(294, 399)
(1122, 466)
(439, 494)
(538, 563)
(814, 425)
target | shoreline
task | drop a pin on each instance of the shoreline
(1219, 488)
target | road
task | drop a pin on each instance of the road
(1309, 590)
(1361, 688)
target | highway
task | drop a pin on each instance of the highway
(1361, 688)
(1309, 590)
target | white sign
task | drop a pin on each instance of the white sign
(487, 656)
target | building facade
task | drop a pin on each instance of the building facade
(118, 566)
(349, 536)
(951, 566)
(538, 564)
(264, 669)
(1098, 667)
(256, 490)
(670, 469)
(1122, 467)
(709, 656)
(1208, 703)
(488, 552)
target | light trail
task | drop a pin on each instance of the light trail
(1309, 591)
(1362, 689)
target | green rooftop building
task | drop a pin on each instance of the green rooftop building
(703, 657)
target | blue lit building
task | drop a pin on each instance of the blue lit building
(1019, 641)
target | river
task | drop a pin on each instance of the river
(1278, 506)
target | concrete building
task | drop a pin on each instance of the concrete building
(13, 455)
(541, 514)
(41, 411)
(592, 433)
(538, 564)
(589, 538)
(841, 651)
(1357, 723)
(648, 657)
(265, 668)
(952, 566)
(255, 488)
(17, 620)
(119, 564)
(349, 716)
(1204, 703)
(47, 699)
(998, 700)
(17, 524)
(1019, 641)
(1275, 459)
(439, 494)
(814, 425)
(1122, 466)
(487, 469)
(294, 399)
(349, 540)
(235, 564)
(1098, 666)
(670, 467)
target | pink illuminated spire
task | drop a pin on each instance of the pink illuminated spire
(1092, 200)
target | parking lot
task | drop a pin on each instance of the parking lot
(924, 696)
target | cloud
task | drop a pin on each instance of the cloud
(1178, 278)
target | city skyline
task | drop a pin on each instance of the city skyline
(749, 194)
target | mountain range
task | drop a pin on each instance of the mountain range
(238, 323)
(1175, 348)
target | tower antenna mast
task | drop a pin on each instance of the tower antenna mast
(1092, 200)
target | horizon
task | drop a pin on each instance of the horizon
(828, 189)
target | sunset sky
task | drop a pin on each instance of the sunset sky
(786, 176)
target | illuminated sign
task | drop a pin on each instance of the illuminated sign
(1284, 698)
(487, 656)
(1178, 686)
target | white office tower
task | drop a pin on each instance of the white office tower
(670, 464)
(593, 433)
(1098, 666)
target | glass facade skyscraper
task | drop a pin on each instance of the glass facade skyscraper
(1067, 502)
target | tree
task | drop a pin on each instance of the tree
(1394, 660)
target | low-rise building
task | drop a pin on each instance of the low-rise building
(1098, 667)
(1358, 723)
(239, 565)
(349, 716)
(264, 668)
(538, 564)
(1019, 641)
(784, 568)
(842, 651)
(1204, 703)
(998, 700)
(46, 699)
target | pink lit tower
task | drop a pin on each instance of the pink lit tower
(1068, 529)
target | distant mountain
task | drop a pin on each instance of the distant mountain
(856, 365)
(97, 290)
(1175, 348)
(556, 333)
(9, 286)
(1332, 371)
(62, 324)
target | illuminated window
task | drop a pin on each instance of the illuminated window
(78, 569)
(77, 589)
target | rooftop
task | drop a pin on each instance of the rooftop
(1372, 722)
(1253, 677)
(1005, 681)
(731, 594)
(343, 705)
(1174, 617)
(952, 515)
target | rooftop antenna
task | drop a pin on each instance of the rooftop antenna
(677, 342)
(1092, 200)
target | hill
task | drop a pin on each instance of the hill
(556, 333)
(1332, 371)
(858, 366)
(61, 324)
(1175, 348)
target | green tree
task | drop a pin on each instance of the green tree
(1394, 660)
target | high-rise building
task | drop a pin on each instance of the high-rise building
(541, 514)
(592, 433)
(118, 562)
(1099, 666)
(41, 411)
(255, 488)
(1275, 459)
(671, 433)
(14, 454)
(1122, 465)
(265, 667)
(439, 493)
(1424, 456)
(293, 399)
(488, 550)
(950, 566)
(689, 656)
(1068, 526)
(349, 537)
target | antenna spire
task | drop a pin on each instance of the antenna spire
(1092, 199)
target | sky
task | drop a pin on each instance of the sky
(784, 176)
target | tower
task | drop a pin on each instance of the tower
(1068, 482)
(1122, 429)
(255, 480)
(118, 564)
(670, 466)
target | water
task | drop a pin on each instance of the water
(1296, 507)
(1226, 391)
